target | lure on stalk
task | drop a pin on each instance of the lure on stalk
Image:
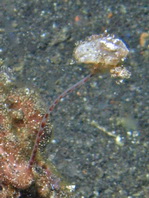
(102, 53)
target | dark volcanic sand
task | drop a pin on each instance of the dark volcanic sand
(37, 42)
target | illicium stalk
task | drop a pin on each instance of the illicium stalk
(103, 53)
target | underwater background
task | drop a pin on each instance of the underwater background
(101, 141)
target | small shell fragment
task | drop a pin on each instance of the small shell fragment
(106, 51)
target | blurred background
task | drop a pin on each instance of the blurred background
(100, 142)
